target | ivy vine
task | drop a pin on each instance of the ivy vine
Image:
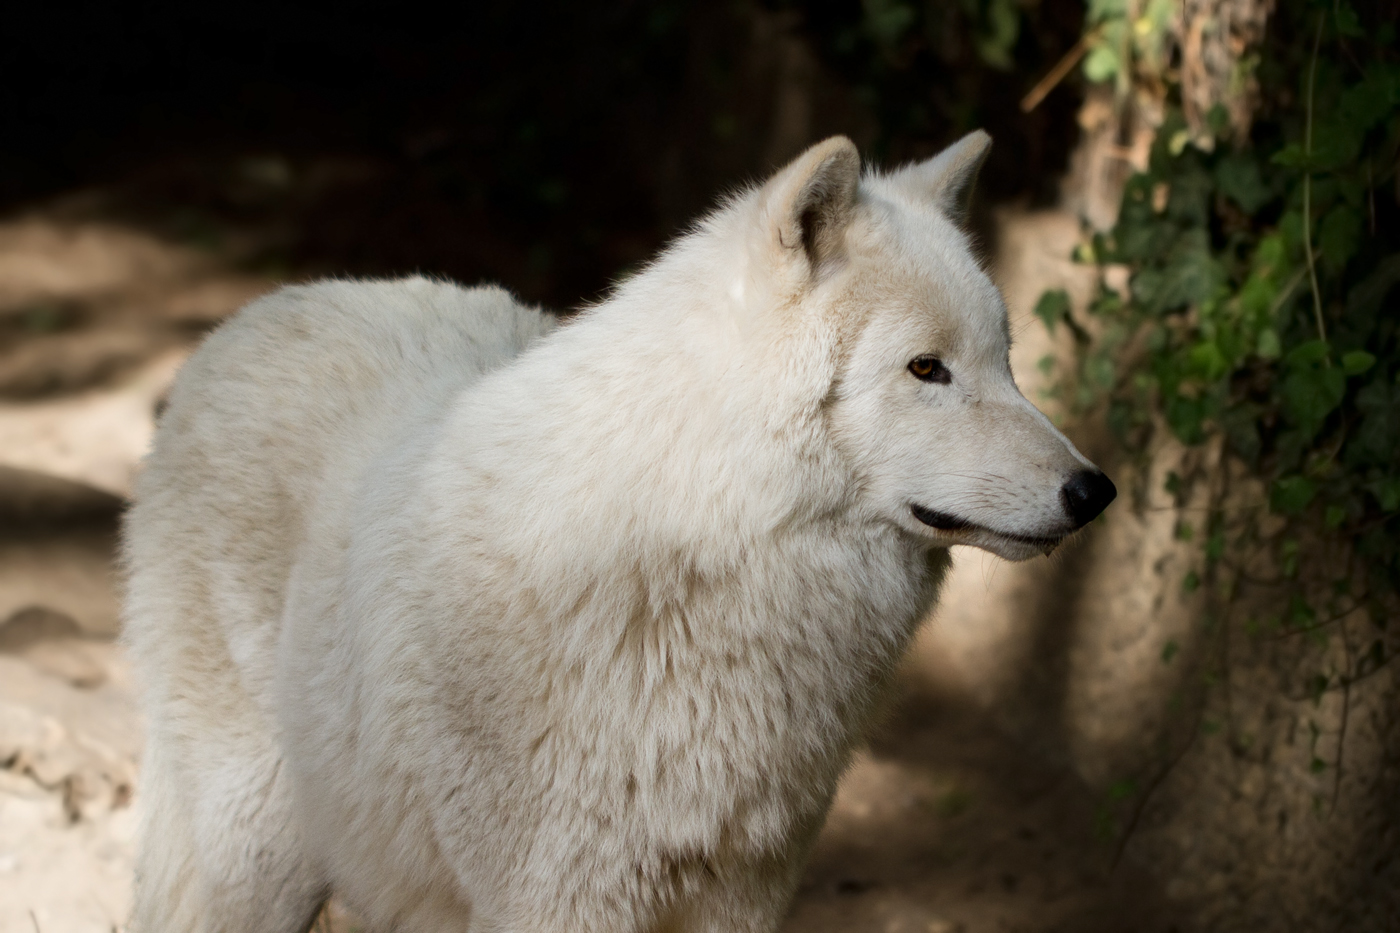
(1261, 313)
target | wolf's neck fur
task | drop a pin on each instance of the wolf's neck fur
(722, 443)
(720, 468)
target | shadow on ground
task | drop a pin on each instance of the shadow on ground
(947, 825)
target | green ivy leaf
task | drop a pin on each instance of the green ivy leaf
(1308, 354)
(1290, 156)
(1000, 28)
(1291, 495)
(1190, 196)
(1268, 346)
(1052, 308)
(1218, 119)
(1192, 274)
(1366, 298)
(1172, 484)
(1369, 102)
(1311, 394)
(1186, 418)
(1357, 362)
(1338, 236)
(1377, 436)
(1101, 370)
(1239, 179)
(1209, 361)
(1313, 389)
(1256, 298)
(1300, 613)
(1387, 492)
(1336, 142)
(1348, 23)
(1102, 63)
(1241, 426)
(889, 20)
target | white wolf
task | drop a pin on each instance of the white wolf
(484, 624)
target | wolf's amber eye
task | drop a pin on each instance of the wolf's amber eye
(930, 369)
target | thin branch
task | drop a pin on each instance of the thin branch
(1151, 788)
(1221, 493)
(1371, 195)
(1148, 791)
(1243, 577)
(1344, 682)
(1057, 74)
(1307, 185)
(1317, 626)
(1357, 678)
(1287, 291)
(1342, 729)
(1186, 746)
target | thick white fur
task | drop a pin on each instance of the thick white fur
(485, 625)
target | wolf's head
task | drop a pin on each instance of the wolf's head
(921, 402)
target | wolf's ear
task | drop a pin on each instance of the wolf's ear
(808, 204)
(948, 177)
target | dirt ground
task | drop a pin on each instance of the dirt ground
(944, 824)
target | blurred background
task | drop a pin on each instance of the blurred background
(1187, 720)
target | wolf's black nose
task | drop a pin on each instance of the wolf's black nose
(1087, 493)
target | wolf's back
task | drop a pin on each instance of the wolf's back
(291, 399)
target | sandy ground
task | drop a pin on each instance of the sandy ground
(942, 825)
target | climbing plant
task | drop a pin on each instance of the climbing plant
(1260, 314)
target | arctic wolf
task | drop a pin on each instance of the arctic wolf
(485, 624)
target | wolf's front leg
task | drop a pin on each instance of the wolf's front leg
(750, 896)
(692, 895)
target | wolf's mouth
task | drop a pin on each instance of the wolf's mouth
(945, 522)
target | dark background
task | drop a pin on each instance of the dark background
(548, 146)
